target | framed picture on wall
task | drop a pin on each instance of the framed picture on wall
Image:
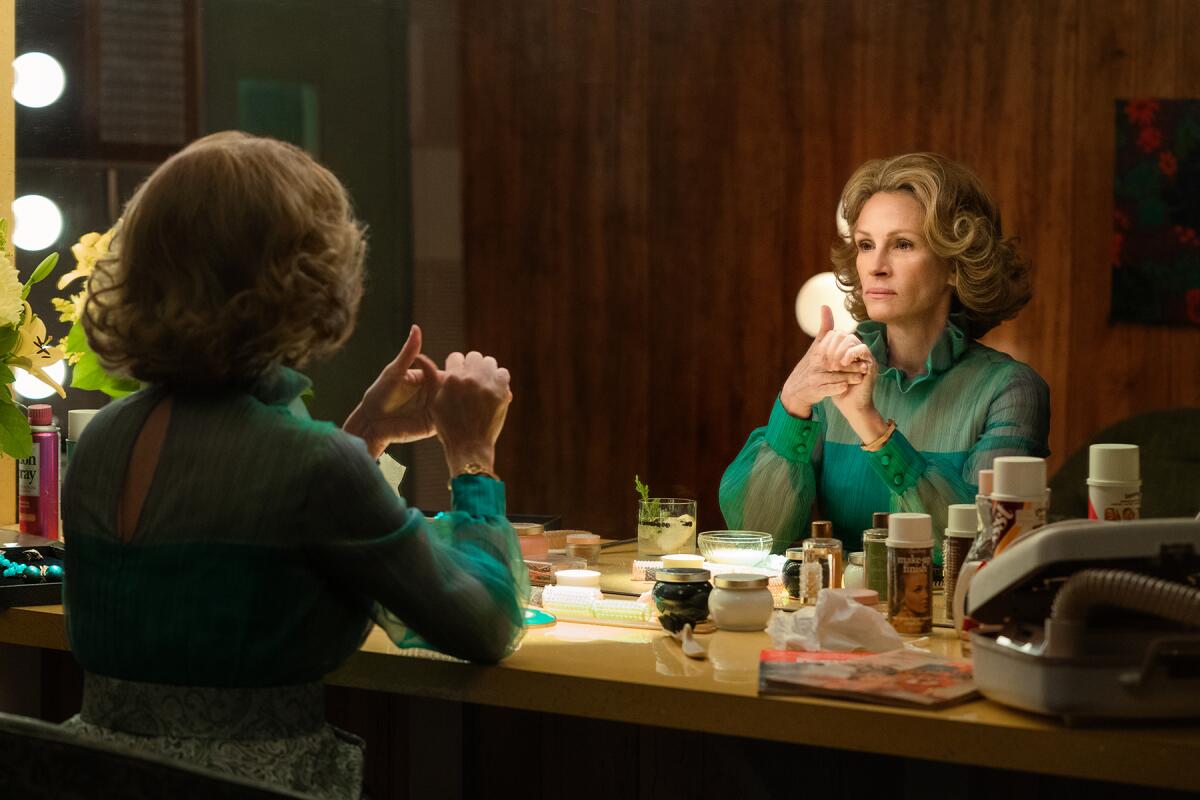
(1156, 219)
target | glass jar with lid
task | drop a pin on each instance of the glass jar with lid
(825, 550)
(791, 572)
(681, 597)
(854, 577)
(875, 547)
(741, 602)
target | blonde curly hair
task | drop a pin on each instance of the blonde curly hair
(962, 226)
(237, 254)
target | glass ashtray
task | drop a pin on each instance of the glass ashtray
(737, 548)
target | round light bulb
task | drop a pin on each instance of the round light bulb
(822, 290)
(31, 388)
(38, 81)
(37, 222)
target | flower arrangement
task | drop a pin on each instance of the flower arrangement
(87, 372)
(23, 344)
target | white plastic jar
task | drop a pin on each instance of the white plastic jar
(855, 575)
(741, 602)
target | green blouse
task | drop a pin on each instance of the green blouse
(267, 544)
(971, 404)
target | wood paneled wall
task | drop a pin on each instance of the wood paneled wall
(647, 184)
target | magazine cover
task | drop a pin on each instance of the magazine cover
(901, 677)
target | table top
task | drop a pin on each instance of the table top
(641, 676)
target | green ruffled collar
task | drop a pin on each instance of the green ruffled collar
(946, 351)
(279, 386)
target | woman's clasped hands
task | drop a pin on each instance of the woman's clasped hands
(837, 365)
(464, 404)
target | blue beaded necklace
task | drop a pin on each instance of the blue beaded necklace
(30, 573)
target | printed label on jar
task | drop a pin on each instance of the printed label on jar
(1012, 518)
(1114, 503)
(910, 589)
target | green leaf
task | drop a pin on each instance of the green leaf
(649, 511)
(6, 378)
(39, 274)
(8, 338)
(88, 374)
(15, 438)
(77, 339)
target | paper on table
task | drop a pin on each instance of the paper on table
(840, 624)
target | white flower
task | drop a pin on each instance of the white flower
(11, 304)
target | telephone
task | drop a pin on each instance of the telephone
(1093, 619)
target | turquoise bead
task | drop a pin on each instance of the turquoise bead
(54, 571)
(32, 574)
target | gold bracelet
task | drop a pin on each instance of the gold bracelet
(872, 446)
(471, 469)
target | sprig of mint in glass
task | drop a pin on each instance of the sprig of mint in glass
(649, 510)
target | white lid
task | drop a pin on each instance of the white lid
(910, 530)
(588, 578)
(961, 520)
(77, 420)
(1113, 463)
(985, 482)
(683, 560)
(1020, 477)
(583, 538)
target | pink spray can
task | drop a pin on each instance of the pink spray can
(38, 476)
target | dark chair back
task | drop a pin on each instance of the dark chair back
(1169, 443)
(44, 761)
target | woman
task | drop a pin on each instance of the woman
(226, 551)
(902, 414)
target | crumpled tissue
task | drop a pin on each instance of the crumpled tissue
(840, 624)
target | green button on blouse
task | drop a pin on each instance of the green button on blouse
(970, 405)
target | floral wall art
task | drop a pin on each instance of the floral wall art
(1156, 220)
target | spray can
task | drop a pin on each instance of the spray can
(77, 420)
(1019, 499)
(37, 476)
(1114, 482)
(910, 572)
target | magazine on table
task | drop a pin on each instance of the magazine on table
(901, 677)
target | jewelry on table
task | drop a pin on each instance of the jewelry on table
(29, 572)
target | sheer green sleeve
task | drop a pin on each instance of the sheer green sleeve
(1017, 424)
(457, 584)
(771, 485)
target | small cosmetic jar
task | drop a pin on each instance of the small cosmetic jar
(532, 539)
(681, 597)
(741, 602)
(584, 545)
(791, 572)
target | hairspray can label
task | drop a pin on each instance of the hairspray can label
(28, 492)
(1013, 518)
(910, 589)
